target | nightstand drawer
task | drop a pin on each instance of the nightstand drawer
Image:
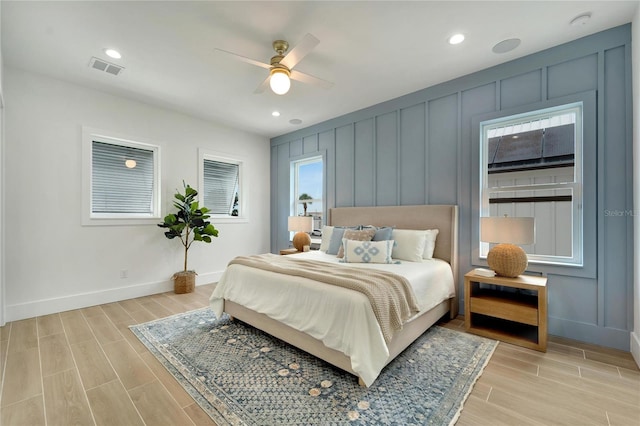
(499, 308)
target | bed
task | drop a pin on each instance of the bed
(336, 324)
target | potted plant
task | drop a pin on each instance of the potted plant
(189, 224)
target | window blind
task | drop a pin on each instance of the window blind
(533, 124)
(220, 186)
(119, 185)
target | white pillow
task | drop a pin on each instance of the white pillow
(326, 237)
(430, 243)
(409, 244)
(367, 251)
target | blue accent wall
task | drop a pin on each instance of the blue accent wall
(422, 148)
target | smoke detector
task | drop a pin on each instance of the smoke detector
(108, 67)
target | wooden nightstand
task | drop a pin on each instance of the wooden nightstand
(284, 252)
(518, 317)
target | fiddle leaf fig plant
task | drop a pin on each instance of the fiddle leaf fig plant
(190, 222)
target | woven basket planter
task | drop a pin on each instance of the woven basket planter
(184, 282)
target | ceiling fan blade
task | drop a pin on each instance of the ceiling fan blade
(300, 51)
(263, 86)
(245, 59)
(306, 78)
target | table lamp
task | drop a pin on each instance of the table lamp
(301, 225)
(507, 258)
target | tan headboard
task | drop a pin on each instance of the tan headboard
(441, 217)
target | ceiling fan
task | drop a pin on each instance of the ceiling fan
(281, 67)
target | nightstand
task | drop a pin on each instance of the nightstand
(284, 252)
(516, 313)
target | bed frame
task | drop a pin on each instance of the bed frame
(441, 217)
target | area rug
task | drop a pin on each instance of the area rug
(240, 375)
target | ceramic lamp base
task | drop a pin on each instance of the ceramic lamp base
(507, 260)
(300, 240)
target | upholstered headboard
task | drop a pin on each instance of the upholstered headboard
(441, 217)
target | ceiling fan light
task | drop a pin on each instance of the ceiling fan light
(279, 82)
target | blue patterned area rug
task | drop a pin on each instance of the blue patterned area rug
(240, 375)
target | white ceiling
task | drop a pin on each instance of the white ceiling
(372, 51)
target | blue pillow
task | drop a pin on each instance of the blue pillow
(336, 238)
(383, 234)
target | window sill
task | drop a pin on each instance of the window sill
(548, 268)
(125, 221)
(228, 219)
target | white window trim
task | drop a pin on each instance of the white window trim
(295, 164)
(109, 219)
(205, 154)
(575, 186)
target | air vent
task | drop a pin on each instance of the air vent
(105, 66)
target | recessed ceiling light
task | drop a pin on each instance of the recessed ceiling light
(276, 113)
(581, 19)
(506, 45)
(456, 39)
(112, 53)
(295, 121)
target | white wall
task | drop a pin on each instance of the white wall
(52, 262)
(635, 46)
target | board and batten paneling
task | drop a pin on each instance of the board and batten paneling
(412, 155)
(423, 148)
(345, 159)
(386, 170)
(442, 153)
(364, 170)
(521, 89)
(615, 162)
(475, 101)
(310, 144)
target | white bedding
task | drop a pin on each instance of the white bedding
(322, 310)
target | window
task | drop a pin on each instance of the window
(307, 189)
(221, 185)
(120, 180)
(531, 166)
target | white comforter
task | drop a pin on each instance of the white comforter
(342, 319)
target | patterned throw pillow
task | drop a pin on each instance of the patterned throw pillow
(367, 251)
(382, 233)
(349, 234)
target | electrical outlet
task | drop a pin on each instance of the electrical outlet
(124, 273)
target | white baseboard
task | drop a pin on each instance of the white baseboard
(82, 300)
(635, 346)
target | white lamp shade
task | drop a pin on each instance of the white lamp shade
(279, 82)
(510, 230)
(300, 223)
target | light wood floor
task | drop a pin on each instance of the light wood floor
(85, 367)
